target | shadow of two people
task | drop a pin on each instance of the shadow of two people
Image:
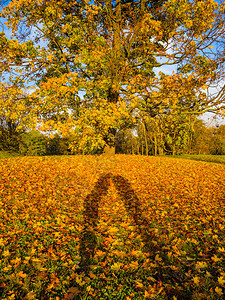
(88, 241)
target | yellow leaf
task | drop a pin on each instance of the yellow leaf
(221, 280)
(88, 288)
(7, 268)
(139, 285)
(201, 265)
(27, 258)
(21, 274)
(133, 265)
(221, 249)
(219, 291)
(215, 258)
(158, 258)
(6, 253)
(147, 295)
(208, 274)
(79, 281)
(16, 261)
(196, 280)
(36, 260)
(116, 266)
(136, 253)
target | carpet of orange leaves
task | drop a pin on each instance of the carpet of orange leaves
(124, 227)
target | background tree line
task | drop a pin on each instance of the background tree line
(151, 136)
(150, 140)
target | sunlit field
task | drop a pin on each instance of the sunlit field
(124, 227)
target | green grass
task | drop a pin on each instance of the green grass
(7, 154)
(219, 159)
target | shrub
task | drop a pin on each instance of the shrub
(32, 144)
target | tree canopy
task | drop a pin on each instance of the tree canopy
(94, 67)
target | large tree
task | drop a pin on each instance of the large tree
(94, 64)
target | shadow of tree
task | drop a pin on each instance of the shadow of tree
(132, 204)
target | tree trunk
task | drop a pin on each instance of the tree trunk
(109, 150)
(146, 140)
(114, 18)
(174, 149)
(155, 144)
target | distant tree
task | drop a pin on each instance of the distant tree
(150, 135)
(217, 145)
(9, 135)
(221, 131)
(164, 134)
(126, 142)
(200, 138)
(15, 115)
(217, 142)
(176, 130)
(58, 146)
(33, 143)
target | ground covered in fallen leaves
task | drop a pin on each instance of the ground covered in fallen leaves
(124, 227)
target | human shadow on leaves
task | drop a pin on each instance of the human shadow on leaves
(88, 241)
(152, 242)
